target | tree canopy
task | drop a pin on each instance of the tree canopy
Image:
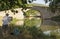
(11, 4)
(54, 5)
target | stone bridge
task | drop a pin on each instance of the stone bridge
(44, 11)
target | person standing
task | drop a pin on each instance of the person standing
(6, 20)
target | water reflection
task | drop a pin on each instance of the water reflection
(37, 21)
(49, 25)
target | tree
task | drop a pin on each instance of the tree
(12, 4)
(54, 5)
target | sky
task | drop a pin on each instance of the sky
(40, 2)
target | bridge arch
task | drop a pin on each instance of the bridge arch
(44, 12)
(40, 15)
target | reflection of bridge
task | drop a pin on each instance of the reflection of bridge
(33, 16)
(44, 11)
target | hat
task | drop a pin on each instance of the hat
(7, 14)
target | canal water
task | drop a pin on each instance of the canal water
(50, 27)
(47, 26)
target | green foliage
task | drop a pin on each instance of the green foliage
(8, 4)
(35, 32)
(13, 21)
(11, 4)
(54, 5)
(56, 18)
(56, 34)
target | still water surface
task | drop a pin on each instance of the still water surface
(45, 25)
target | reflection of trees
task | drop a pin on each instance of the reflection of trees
(54, 5)
(32, 22)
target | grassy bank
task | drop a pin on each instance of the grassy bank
(26, 32)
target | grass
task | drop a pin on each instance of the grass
(26, 33)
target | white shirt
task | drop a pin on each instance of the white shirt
(6, 20)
